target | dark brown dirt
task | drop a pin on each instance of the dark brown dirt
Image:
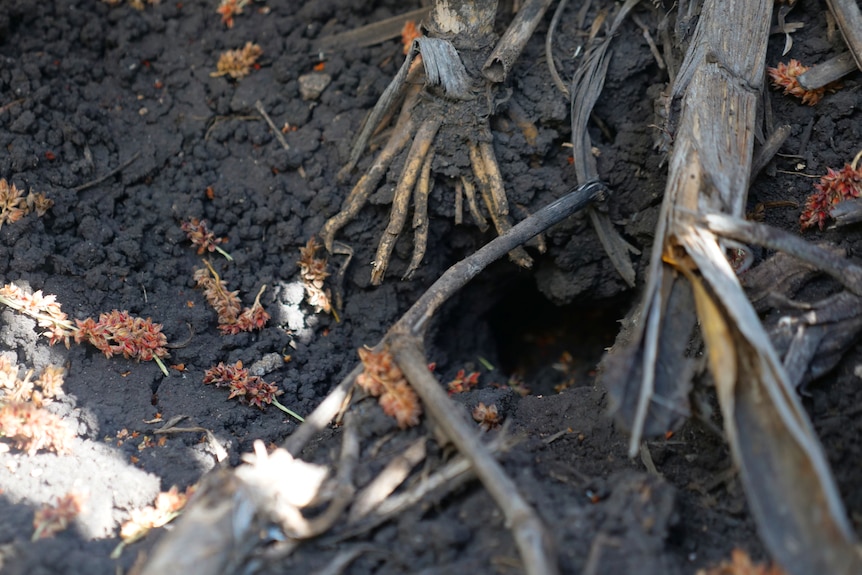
(85, 87)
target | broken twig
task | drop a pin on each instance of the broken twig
(110, 174)
(371, 34)
(827, 72)
(534, 542)
(507, 50)
(849, 19)
(278, 135)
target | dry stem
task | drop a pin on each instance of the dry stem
(785, 473)
(534, 542)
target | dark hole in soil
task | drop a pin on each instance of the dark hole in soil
(551, 347)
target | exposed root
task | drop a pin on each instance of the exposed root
(487, 172)
(368, 183)
(446, 117)
(415, 159)
(420, 215)
(470, 192)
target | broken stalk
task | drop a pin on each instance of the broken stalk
(783, 468)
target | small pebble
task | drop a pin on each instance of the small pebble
(311, 86)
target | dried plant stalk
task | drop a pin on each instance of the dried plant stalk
(849, 18)
(782, 465)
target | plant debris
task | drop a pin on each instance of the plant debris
(463, 382)
(740, 564)
(201, 236)
(312, 271)
(487, 416)
(15, 389)
(784, 76)
(32, 428)
(250, 389)
(43, 308)
(232, 318)
(116, 332)
(52, 519)
(382, 378)
(14, 205)
(238, 63)
(167, 506)
(230, 8)
(833, 188)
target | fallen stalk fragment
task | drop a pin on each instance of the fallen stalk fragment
(549, 49)
(769, 148)
(452, 475)
(370, 34)
(239, 519)
(509, 47)
(840, 268)
(110, 174)
(534, 542)
(275, 131)
(587, 85)
(849, 18)
(288, 411)
(827, 72)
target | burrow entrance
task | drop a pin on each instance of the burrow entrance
(550, 347)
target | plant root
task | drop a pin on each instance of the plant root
(415, 159)
(368, 182)
(494, 195)
(445, 117)
(420, 215)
